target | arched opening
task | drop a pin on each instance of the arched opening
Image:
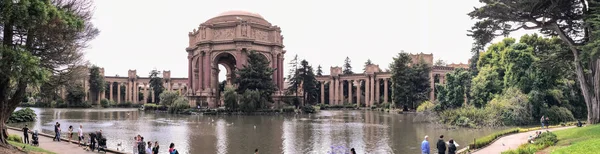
(223, 75)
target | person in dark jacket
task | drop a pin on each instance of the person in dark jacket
(451, 147)
(441, 145)
(92, 141)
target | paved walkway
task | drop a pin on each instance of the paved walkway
(57, 147)
(511, 141)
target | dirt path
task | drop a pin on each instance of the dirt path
(57, 147)
(511, 142)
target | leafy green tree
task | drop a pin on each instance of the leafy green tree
(401, 80)
(75, 94)
(168, 97)
(575, 22)
(319, 71)
(156, 84)
(256, 76)
(97, 83)
(230, 98)
(251, 100)
(39, 38)
(347, 66)
(453, 93)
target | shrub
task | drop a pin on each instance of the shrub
(151, 107)
(105, 103)
(251, 101)
(179, 105)
(467, 116)
(168, 97)
(511, 108)
(308, 109)
(124, 104)
(230, 98)
(15, 138)
(288, 109)
(558, 114)
(22, 115)
(425, 106)
(384, 105)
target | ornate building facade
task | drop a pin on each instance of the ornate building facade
(227, 39)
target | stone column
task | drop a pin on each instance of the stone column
(152, 93)
(207, 70)
(85, 90)
(335, 91)
(145, 88)
(367, 91)
(110, 95)
(179, 88)
(432, 85)
(137, 92)
(331, 93)
(322, 92)
(385, 90)
(358, 92)
(127, 88)
(350, 91)
(119, 92)
(377, 94)
(190, 71)
(341, 92)
(372, 90)
(281, 58)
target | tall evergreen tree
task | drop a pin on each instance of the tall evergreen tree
(401, 79)
(347, 66)
(309, 82)
(97, 83)
(156, 84)
(419, 83)
(256, 76)
(293, 80)
(319, 71)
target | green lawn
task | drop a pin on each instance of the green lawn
(30, 148)
(580, 140)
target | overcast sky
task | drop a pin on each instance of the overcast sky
(149, 34)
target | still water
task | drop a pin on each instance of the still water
(324, 132)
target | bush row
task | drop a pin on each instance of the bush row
(15, 138)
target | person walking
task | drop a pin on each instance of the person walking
(55, 132)
(25, 135)
(156, 147)
(441, 145)
(425, 146)
(80, 134)
(451, 147)
(93, 141)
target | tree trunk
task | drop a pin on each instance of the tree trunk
(593, 81)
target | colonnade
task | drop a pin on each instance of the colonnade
(133, 89)
(372, 89)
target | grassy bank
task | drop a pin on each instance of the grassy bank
(29, 148)
(577, 140)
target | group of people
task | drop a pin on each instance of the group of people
(441, 146)
(545, 121)
(142, 147)
(26, 132)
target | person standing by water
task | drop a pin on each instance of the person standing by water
(441, 145)
(56, 133)
(451, 147)
(70, 132)
(25, 135)
(155, 148)
(149, 148)
(80, 134)
(172, 149)
(425, 146)
(135, 144)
